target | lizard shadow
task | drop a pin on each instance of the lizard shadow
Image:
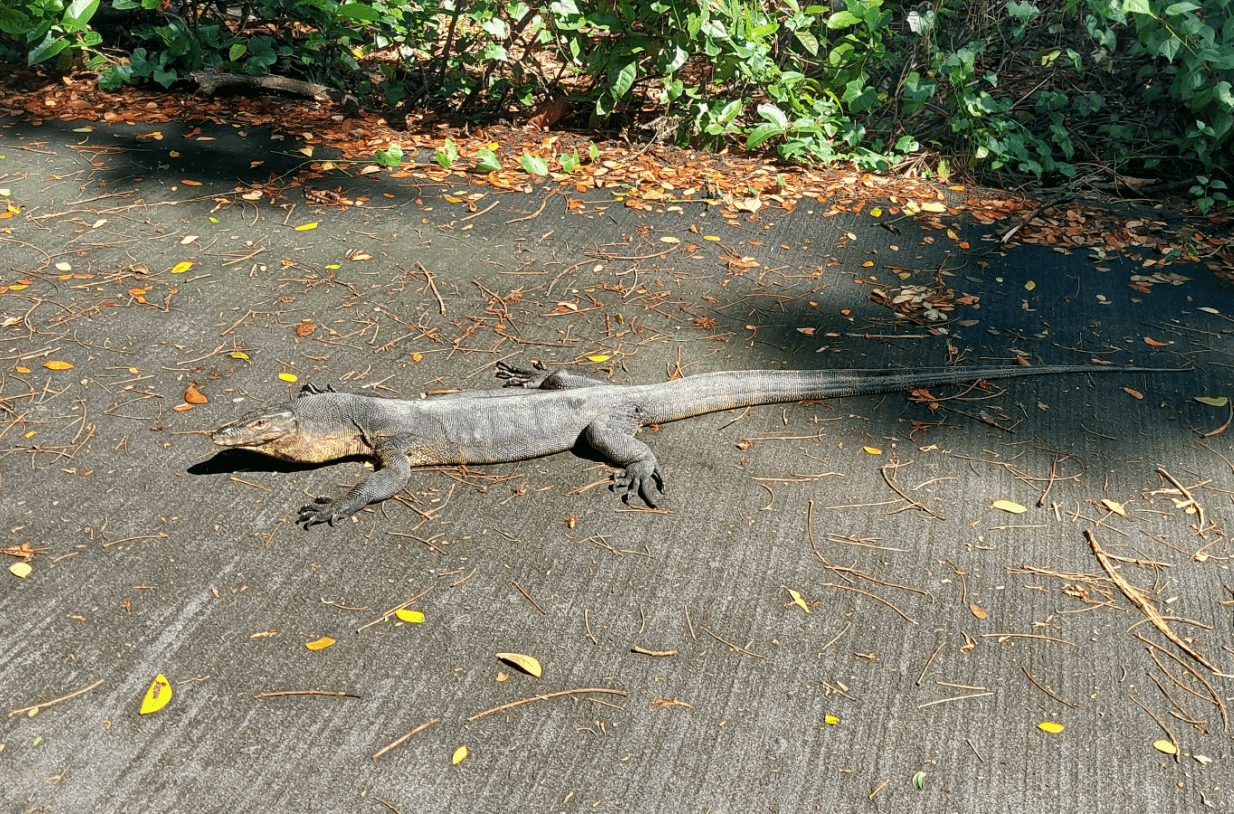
(243, 460)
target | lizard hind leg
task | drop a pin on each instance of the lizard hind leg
(639, 473)
(544, 379)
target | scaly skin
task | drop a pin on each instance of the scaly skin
(545, 414)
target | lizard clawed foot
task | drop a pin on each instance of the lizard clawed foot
(518, 376)
(321, 510)
(638, 478)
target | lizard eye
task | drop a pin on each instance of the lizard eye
(259, 423)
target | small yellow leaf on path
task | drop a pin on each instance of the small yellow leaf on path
(64, 267)
(876, 212)
(868, 264)
(1133, 393)
(255, 195)
(711, 237)
(797, 600)
(98, 223)
(832, 720)
(1114, 506)
(872, 450)
(181, 267)
(452, 199)
(239, 355)
(187, 239)
(304, 227)
(414, 617)
(1009, 506)
(1050, 727)
(57, 365)
(21, 569)
(977, 611)
(189, 183)
(459, 754)
(1165, 746)
(320, 644)
(951, 234)
(21, 369)
(174, 153)
(525, 663)
(157, 696)
(308, 151)
(417, 357)
(600, 357)
(1030, 285)
(288, 377)
(934, 207)
(670, 240)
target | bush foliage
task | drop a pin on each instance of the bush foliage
(1044, 89)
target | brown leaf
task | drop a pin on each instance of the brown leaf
(194, 396)
(305, 328)
(978, 611)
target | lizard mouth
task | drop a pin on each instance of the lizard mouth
(253, 430)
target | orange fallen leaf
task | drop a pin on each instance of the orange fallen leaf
(1133, 393)
(57, 365)
(977, 611)
(194, 396)
(319, 644)
(305, 328)
(1148, 340)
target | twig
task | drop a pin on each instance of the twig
(891, 483)
(537, 213)
(1142, 602)
(544, 697)
(387, 804)
(1160, 723)
(400, 740)
(929, 661)
(1045, 689)
(872, 596)
(1190, 499)
(1027, 636)
(331, 693)
(391, 612)
(730, 644)
(953, 698)
(159, 536)
(529, 599)
(440, 303)
(54, 701)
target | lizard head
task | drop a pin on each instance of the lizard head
(267, 430)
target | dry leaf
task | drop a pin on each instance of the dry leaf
(305, 328)
(797, 600)
(319, 644)
(525, 663)
(1114, 506)
(977, 611)
(872, 450)
(1148, 340)
(194, 396)
(21, 569)
(1009, 506)
(1133, 393)
(57, 365)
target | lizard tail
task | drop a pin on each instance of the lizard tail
(711, 392)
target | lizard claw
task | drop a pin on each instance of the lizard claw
(321, 510)
(638, 478)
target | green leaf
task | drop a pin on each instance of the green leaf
(1180, 8)
(358, 11)
(392, 156)
(761, 133)
(1213, 401)
(533, 164)
(622, 72)
(808, 41)
(487, 161)
(569, 161)
(45, 50)
(842, 19)
(774, 115)
(1138, 7)
(236, 51)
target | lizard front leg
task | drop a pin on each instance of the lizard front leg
(639, 473)
(386, 482)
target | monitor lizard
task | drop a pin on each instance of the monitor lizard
(540, 413)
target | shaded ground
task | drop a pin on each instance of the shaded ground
(940, 633)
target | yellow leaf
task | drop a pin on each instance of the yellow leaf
(181, 267)
(832, 720)
(304, 227)
(867, 264)
(174, 153)
(21, 569)
(600, 357)
(64, 266)
(1050, 727)
(525, 663)
(670, 240)
(934, 206)
(17, 286)
(1166, 746)
(1008, 506)
(187, 239)
(57, 365)
(1030, 285)
(876, 212)
(872, 450)
(417, 357)
(21, 369)
(711, 237)
(308, 151)
(797, 600)
(157, 696)
(951, 234)
(239, 355)
(288, 377)
(1114, 506)
(319, 644)
(459, 754)
(189, 183)
(414, 617)
(452, 199)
